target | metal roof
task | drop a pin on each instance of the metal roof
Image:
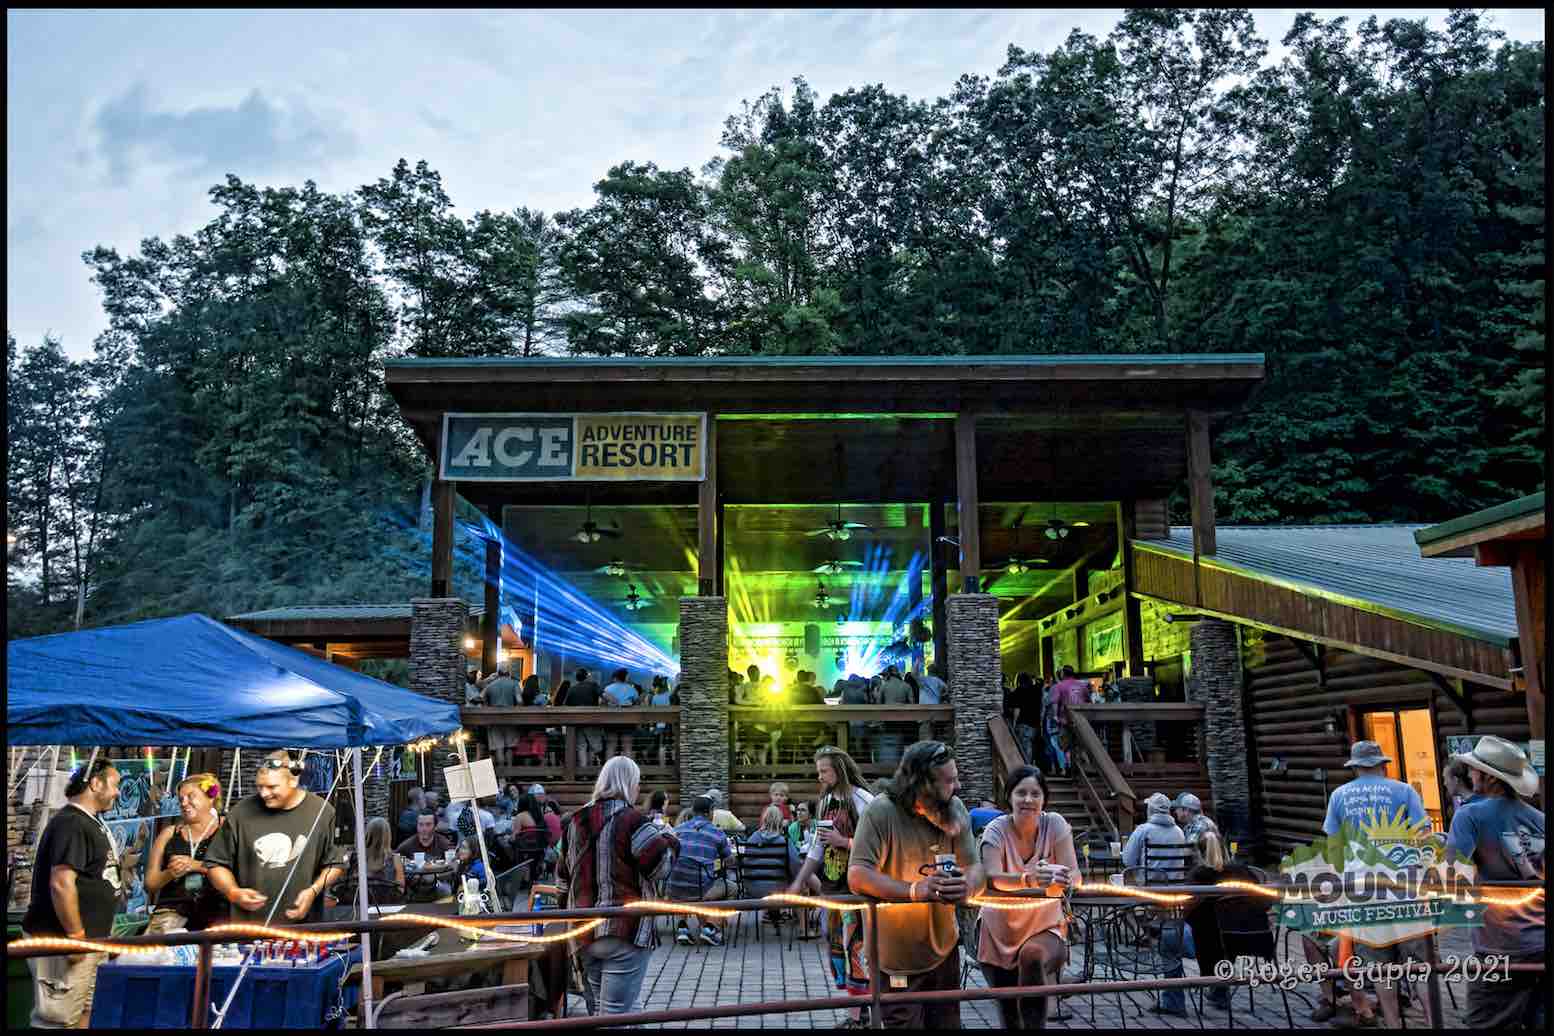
(1371, 566)
(1527, 505)
(670, 362)
(336, 612)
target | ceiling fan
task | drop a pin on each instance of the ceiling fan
(833, 567)
(634, 600)
(615, 567)
(837, 530)
(1058, 529)
(821, 599)
(1018, 564)
(590, 531)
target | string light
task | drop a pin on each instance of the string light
(660, 906)
(1511, 897)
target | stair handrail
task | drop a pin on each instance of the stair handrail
(1006, 751)
(1095, 806)
(1085, 739)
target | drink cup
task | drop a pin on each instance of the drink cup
(946, 864)
(420, 859)
(1233, 846)
(448, 856)
(1115, 847)
(1115, 879)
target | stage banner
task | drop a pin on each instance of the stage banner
(573, 448)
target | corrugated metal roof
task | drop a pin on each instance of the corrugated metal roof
(1533, 504)
(1379, 565)
(1108, 359)
(339, 612)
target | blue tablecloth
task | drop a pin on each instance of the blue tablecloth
(159, 996)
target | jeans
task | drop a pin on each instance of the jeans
(1025, 737)
(1175, 943)
(614, 969)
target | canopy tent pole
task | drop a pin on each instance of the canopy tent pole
(361, 888)
(237, 753)
(480, 830)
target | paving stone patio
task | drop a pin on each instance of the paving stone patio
(698, 976)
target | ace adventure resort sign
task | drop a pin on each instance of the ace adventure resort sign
(573, 447)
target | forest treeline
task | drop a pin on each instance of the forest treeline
(1368, 212)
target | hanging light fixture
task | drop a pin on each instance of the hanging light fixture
(634, 600)
(822, 599)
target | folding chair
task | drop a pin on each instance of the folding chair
(1244, 932)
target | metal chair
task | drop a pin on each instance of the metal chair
(763, 869)
(1244, 932)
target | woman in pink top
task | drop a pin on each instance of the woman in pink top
(1025, 849)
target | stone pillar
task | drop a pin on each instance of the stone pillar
(974, 689)
(1138, 690)
(703, 733)
(1216, 682)
(437, 666)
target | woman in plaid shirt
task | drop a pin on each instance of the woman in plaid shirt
(609, 852)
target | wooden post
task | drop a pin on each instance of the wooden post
(1200, 483)
(1528, 582)
(490, 620)
(442, 538)
(939, 585)
(722, 538)
(1132, 617)
(707, 517)
(966, 502)
(1200, 494)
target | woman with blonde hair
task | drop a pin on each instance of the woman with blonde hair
(1202, 918)
(614, 956)
(175, 870)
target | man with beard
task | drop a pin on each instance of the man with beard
(914, 844)
(276, 853)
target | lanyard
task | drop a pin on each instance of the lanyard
(113, 848)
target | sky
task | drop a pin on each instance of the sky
(118, 123)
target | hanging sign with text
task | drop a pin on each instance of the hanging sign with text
(575, 447)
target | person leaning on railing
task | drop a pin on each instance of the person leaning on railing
(914, 843)
(1025, 849)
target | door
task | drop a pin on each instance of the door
(1408, 737)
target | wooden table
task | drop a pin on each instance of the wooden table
(452, 956)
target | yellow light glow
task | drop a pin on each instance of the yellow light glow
(469, 643)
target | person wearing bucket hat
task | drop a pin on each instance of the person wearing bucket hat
(1503, 834)
(1368, 801)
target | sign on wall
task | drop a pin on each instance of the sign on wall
(573, 447)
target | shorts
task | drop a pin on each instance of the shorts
(62, 991)
(944, 975)
(1418, 949)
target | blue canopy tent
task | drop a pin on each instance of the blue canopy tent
(196, 682)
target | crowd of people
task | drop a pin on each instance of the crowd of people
(273, 857)
(1037, 712)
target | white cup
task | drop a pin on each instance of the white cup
(420, 860)
(450, 856)
(1115, 879)
(1115, 847)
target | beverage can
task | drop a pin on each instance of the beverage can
(946, 864)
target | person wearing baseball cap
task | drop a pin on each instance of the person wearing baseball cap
(1503, 834)
(1187, 811)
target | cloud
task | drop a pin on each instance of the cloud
(252, 136)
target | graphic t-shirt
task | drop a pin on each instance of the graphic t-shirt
(916, 937)
(258, 846)
(74, 838)
(1371, 801)
(833, 861)
(1505, 839)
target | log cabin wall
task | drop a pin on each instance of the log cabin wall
(1288, 704)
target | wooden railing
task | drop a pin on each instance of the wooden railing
(1119, 791)
(1125, 713)
(1006, 753)
(569, 720)
(917, 722)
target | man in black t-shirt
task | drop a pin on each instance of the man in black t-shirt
(281, 824)
(75, 893)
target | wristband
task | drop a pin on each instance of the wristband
(912, 892)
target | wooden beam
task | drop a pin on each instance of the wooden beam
(1456, 691)
(707, 517)
(442, 538)
(940, 584)
(1132, 616)
(1200, 484)
(1315, 655)
(490, 619)
(1529, 582)
(966, 501)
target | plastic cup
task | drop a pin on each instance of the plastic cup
(1115, 847)
(420, 860)
(1115, 879)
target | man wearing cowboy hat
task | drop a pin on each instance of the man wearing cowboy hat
(1370, 800)
(1502, 834)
